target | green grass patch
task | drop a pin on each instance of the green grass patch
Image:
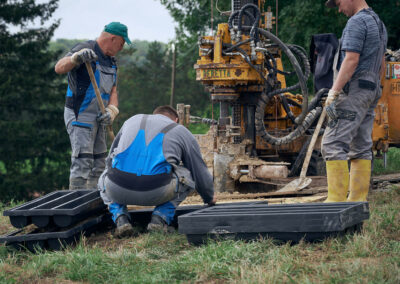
(393, 163)
(372, 256)
(198, 128)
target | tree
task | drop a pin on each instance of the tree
(194, 20)
(33, 153)
(300, 19)
(144, 86)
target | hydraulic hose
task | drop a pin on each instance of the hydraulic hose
(253, 20)
(317, 99)
(234, 14)
(313, 104)
(286, 107)
(245, 57)
(272, 70)
(293, 103)
(296, 65)
(299, 131)
(260, 127)
(254, 28)
(307, 71)
(308, 113)
(233, 47)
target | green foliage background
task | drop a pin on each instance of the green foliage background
(35, 151)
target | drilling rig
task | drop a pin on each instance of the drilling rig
(263, 126)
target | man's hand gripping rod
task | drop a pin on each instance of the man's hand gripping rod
(99, 99)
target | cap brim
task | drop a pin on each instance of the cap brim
(127, 40)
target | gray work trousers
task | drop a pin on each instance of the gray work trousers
(89, 149)
(351, 137)
(175, 192)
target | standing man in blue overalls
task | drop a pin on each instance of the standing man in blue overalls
(351, 101)
(86, 128)
(153, 161)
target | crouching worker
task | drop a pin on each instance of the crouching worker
(153, 161)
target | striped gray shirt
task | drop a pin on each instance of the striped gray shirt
(362, 35)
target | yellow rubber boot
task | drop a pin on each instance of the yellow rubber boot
(338, 180)
(360, 175)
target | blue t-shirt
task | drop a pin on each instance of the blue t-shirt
(362, 34)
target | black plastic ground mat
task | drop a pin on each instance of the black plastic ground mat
(60, 208)
(142, 217)
(285, 222)
(53, 238)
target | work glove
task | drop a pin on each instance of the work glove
(83, 55)
(108, 117)
(331, 111)
(332, 114)
(332, 95)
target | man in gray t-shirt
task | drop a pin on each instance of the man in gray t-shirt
(153, 161)
(351, 101)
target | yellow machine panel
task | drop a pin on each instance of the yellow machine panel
(386, 129)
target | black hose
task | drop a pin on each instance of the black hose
(286, 107)
(296, 65)
(253, 20)
(307, 71)
(317, 99)
(305, 119)
(299, 131)
(236, 45)
(312, 115)
(234, 14)
(246, 58)
(271, 69)
(255, 24)
(315, 102)
(231, 18)
(293, 103)
(296, 166)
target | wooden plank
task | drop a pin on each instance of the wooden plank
(389, 178)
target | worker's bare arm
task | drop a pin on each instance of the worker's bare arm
(64, 65)
(347, 69)
(114, 96)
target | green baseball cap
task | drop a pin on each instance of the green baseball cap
(116, 28)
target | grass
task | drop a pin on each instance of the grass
(371, 256)
(393, 163)
(198, 128)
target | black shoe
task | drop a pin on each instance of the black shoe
(124, 228)
(158, 224)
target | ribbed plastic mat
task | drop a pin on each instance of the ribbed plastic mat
(310, 221)
(54, 238)
(60, 208)
(142, 217)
